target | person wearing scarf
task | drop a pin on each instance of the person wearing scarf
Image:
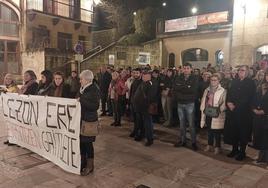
(58, 87)
(89, 97)
(30, 85)
(214, 96)
(45, 82)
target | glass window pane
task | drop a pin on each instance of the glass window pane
(2, 58)
(5, 13)
(12, 46)
(2, 46)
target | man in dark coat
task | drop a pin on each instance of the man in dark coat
(157, 97)
(142, 101)
(185, 89)
(238, 123)
(104, 82)
(138, 131)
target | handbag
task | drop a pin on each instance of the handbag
(90, 128)
(213, 112)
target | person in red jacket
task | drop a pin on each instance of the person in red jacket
(117, 92)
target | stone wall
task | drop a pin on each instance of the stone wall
(250, 26)
(33, 61)
(104, 37)
(131, 52)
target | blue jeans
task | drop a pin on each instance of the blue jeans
(187, 111)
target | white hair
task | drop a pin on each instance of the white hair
(87, 75)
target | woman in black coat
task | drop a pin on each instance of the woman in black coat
(58, 88)
(238, 123)
(260, 122)
(45, 82)
(89, 97)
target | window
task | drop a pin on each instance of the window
(171, 60)
(65, 42)
(9, 22)
(194, 54)
(41, 37)
(121, 55)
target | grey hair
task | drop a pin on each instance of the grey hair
(87, 75)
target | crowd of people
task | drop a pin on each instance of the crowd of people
(231, 103)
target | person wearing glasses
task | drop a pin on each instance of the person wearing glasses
(238, 124)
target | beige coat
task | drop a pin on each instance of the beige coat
(218, 101)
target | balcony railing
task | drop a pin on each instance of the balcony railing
(63, 8)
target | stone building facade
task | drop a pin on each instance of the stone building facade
(250, 26)
(42, 34)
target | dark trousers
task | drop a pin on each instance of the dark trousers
(213, 134)
(148, 125)
(87, 152)
(138, 125)
(110, 107)
(116, 111)
(104, 97)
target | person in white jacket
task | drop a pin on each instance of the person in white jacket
(213, 112)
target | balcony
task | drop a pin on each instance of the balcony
(71, 9)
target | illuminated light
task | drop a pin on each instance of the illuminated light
(134, 13)
(97, 2)
(194, 10)
(248, 7)
(164, 4)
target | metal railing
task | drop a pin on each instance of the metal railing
(62, 8)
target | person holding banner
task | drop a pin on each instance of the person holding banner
(10, 87)
(30, 85)
(45, 82)
(89, 97)
(58, 87)
(9, 84)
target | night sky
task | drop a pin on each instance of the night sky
(182, 8)
(174, 8)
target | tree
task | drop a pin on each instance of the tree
(145, 21)
(118, 15)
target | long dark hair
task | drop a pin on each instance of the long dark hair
(32, 74)
(49, 76)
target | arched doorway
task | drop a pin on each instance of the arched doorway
(171, 60)
(9, 41)
(196, 56)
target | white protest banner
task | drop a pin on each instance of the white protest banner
(48, 126)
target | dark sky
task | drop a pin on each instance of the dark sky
(182, 8)
(174, 8)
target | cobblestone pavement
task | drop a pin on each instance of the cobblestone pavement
(121, 162)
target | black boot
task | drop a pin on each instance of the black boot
(241, 156)
(234, 152)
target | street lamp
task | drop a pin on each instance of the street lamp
(164, 4)
(135, 13)
(194, 10)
